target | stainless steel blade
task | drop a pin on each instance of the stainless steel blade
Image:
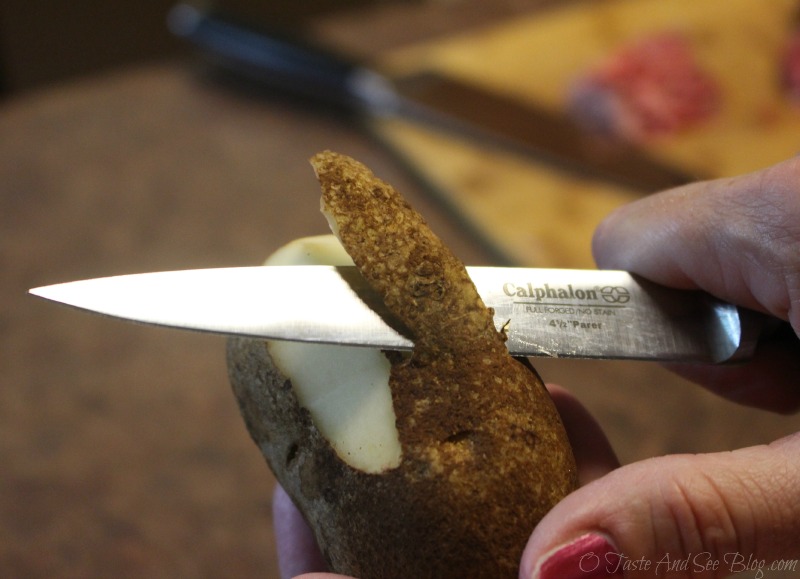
(547, 136)
(544, 312)
(301, 68)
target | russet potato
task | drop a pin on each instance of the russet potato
(437, 463)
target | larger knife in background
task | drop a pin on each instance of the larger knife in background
(319, 73)
(544, 312)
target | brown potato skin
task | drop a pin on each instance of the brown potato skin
(465, 497)
(484, 453)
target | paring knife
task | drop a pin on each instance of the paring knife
(317, 73)
(544, 312)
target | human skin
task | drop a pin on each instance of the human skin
(738, 239)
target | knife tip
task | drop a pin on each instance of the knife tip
(41, 292)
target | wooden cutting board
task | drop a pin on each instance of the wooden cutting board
(534, 215)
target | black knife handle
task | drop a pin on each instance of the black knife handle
(288, 64)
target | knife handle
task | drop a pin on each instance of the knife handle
(278, 62)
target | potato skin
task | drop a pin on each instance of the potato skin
(466, 495)
(484, 455)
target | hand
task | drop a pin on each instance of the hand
(738, 239)
(298, 552)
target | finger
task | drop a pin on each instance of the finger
(734, 238)
(768, 381)
(594, 455)
(297, 549)
(712, 510)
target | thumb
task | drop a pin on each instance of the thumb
(678, 516)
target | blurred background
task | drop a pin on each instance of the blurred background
(122, 452)
(45, 42)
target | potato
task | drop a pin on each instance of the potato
(435, 464)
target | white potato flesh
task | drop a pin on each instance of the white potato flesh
(315, 250)
(344, 388)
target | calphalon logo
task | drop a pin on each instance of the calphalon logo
(615, 294)
(609, 294)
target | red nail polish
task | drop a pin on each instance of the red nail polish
(590, 556)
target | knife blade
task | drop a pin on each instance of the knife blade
(301, 68)
(543, 312)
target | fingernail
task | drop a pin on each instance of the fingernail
(590, 556)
